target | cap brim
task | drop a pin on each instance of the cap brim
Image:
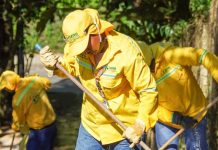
(1, 86)
(77, 48)
(105, 25)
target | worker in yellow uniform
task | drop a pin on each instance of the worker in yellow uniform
(32, 112)
(180, 97)
(110, 65)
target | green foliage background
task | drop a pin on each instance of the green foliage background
(148, 20)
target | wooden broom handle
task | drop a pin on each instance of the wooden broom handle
(97, 102)
(182, 130)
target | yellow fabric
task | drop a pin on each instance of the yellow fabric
(31, 106)
(147, 52)
(191, 56)
(127, 84)
(211, 63)
(177, 87)
(78, 25)
(9, 80)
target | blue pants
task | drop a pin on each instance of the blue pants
(85, 141)
(42, 139)
(195, 138)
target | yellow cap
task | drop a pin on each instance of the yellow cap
(78, 25)
(9, 80)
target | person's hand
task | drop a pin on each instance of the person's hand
(185, 121)
(23, 128)
(48, 59)
(134, 133)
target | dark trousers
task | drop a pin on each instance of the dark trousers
(42, 139)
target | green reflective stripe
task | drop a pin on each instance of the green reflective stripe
(172, 117)
(109, 75)
(164, 77)
(148, 90)
(20, 98)
(202, 56)
(84, 64)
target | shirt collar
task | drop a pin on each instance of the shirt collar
(111, 51)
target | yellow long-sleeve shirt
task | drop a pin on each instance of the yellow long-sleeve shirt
(177, 86)
(127, 83)
(31, 106)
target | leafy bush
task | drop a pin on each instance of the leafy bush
(149, 20)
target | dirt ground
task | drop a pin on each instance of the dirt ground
(66, 99)
(67, 107)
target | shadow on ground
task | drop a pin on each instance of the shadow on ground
(67, 105)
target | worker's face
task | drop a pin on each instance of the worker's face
(93, 45)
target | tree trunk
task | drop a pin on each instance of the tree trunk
(203, 33)
(213, 113)
(8, 48)
(20, 47)
(6, 38)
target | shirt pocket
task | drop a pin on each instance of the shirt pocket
(112, 87)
